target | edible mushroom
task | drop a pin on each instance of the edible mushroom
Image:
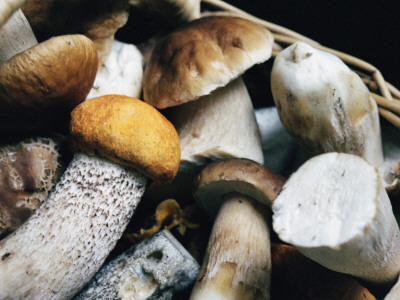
(56, 252)
(40, 86)
(200, 56)
(334, 209)
(325, 105)
(237, 262)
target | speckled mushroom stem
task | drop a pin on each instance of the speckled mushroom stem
(16, 36)
(237, 262)
(56, 252)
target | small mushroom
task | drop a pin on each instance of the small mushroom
(237, 263)
(201, 56)
(40, 86)
(29, 170)
(324, 105)
(334, 209)
(56, 251)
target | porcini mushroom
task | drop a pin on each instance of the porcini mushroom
(334, 209)
(324, 105)
(237, 263)
(29, 170)
(98, 20)
(201, 56)
(56, 252)
(40, 86)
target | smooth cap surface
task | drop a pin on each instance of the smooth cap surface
(128, 131)
(201, 56)
(46, 81)
(236, 175)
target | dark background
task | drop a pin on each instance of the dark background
(369, 30)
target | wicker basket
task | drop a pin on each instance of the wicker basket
(385, 94)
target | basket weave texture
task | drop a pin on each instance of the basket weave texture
(385, 94)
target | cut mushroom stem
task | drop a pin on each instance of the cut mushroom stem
(16, 36)
(325, 105)
(335, 210)
(56, 252)
(155, 268)
(237, 263)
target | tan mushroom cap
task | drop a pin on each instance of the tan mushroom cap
(201, 56)
(128, 131)
(46, 81)
(236, 175)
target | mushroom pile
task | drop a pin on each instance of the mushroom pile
(103, 124)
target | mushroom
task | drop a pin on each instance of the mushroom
(29, 170)
(63, 244)
(294, 276)
(201, 56)
(190, 64)
(40, 86)
(237, 262)
(324, 105)
(334, 209)
(156, 268)
(98, 20)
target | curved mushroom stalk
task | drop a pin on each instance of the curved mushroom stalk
(16, 36)
(237, 263)
(335, 210)
(55, 253)
(325, 105)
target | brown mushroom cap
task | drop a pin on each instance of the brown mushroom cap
(98, 20)
(201, 56)
(28, 172)
(130, 132)
(236, 175)
(45, 82)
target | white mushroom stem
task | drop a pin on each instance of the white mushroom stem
(121, 73)
(56, 252)
(16, 36)
(8, 7)
(325, 105)
(335, 210)
(237, 262)
(219, 125)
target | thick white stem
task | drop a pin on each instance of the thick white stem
(56, 252)
(237, 262)
(335, 210)
(16, 36)
(325, 105)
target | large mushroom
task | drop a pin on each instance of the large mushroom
(324, 105)
(56, 252)
(334, 209)
(237, 263)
